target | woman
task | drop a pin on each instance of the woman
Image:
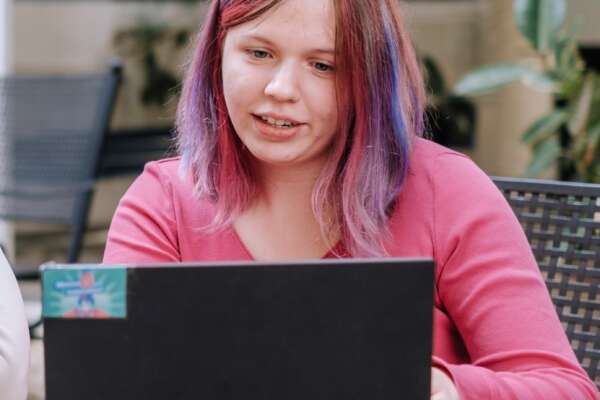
(298, 131)
(14, 337)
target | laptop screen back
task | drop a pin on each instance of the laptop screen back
(340, 329)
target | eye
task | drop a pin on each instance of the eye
(322, 67)
(258, 53)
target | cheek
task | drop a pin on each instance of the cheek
(233, 87)
(241, 88)
(324, 106)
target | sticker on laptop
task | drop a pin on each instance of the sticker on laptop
(84, 291)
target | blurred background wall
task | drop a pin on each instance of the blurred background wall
(5, 35)
(62, 36)
(66, 36)
(152, 38)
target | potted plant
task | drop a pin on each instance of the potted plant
(569, 134)
(451, 119)
(141, 41)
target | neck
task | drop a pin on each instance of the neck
(280, 224)
(285, 187)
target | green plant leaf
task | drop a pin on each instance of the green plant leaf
(493, 77)
(594, 138)
(581, 112)
(544, 156)
(566, 54)
(544, 127)
(571, 84)
(561, 45)
(490, 78)
(540, 20)
(585, 154)
(595, 108)
(541, 81)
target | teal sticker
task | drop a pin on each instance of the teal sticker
(84, 291)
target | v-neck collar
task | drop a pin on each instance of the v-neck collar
(337, 251)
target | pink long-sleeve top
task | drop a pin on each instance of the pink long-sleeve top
(496, 332)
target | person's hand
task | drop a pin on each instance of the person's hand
(442, 387)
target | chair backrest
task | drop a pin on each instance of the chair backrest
(562, 222)
(127, 151)
(52, 129)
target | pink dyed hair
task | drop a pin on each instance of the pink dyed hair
(380, 108)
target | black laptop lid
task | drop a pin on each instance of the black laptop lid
(341, 329)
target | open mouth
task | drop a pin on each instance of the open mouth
(277, 123)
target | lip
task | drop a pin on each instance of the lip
(280, 117)
(273, 134)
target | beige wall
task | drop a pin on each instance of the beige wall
(505, 115)
(469, 33)
(55, 36)
(63, 37)
(463, 35)
(73, 36)
(584, 17)
(449, 32)
(66, 36)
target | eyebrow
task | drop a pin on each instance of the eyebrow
(270, 43)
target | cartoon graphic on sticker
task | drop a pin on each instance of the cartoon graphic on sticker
(84, 290)
(85, 293)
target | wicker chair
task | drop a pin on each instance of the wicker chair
(562, 222)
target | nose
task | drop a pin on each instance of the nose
(283, 85)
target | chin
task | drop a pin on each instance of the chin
(262, 153)
(274, 160)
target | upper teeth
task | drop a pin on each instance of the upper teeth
(278, 122)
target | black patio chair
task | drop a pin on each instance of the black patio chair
(562, 222)
(52, 129)
(127, 151)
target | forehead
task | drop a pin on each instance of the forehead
(310, 23)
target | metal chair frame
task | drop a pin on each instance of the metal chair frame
(562, 223)
(52, 130)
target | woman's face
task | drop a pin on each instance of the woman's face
(279, 82)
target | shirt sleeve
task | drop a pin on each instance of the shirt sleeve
(489, 284)
(143, 228)
(14, 336)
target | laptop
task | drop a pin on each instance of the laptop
(325, 329)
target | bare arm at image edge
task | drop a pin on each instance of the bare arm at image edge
(14, 337)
